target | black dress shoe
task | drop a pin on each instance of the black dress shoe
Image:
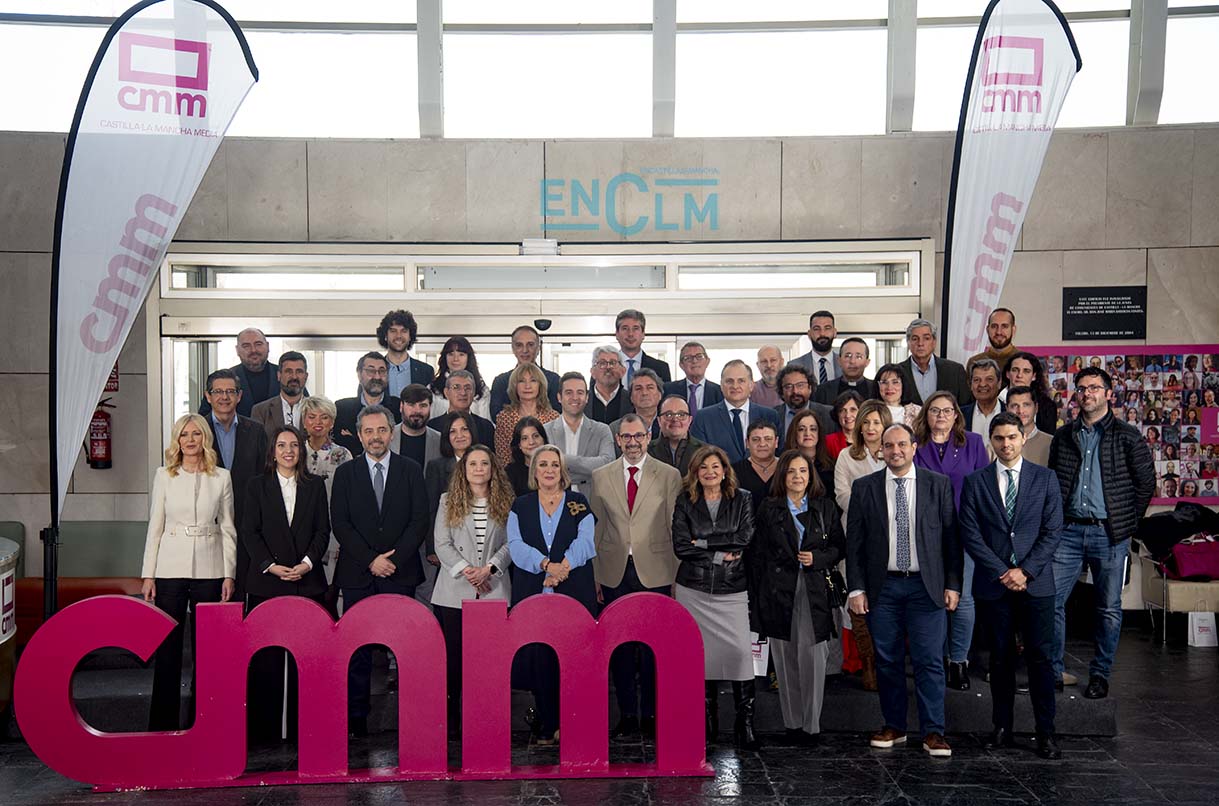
(1000, 739)
(647, 726)
(357, 727)
(958, 676)
(627, 726)
(1047, 747)
(1098, 688)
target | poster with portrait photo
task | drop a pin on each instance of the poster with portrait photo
(1170, 393)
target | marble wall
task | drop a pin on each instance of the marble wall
(1113, 207)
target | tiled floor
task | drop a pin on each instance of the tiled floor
(1167, 752)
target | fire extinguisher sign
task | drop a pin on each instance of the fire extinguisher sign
(112, 383)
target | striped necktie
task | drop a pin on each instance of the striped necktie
(1009, 497)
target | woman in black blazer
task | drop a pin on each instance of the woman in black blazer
(712, 527)
(798, 538)
(285, 527)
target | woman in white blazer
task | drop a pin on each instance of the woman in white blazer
(472, 545)
(190, 554)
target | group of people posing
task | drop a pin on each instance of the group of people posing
(925, 487)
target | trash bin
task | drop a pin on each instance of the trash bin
(10, 554)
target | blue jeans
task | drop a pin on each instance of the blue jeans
(961, 620)
(1089, 546)
(905, 610)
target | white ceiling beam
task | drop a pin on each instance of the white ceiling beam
(430, 35)
(899, 88)
(1145, 70)
(664, 66)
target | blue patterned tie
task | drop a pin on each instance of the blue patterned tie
(903, 526)
(630, 371)
(822, 377)
(737, 439)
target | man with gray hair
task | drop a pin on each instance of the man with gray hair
(459, 391)
(766, 390)
(984, 377)
(608, 400)
(926, 372)
(695, 389)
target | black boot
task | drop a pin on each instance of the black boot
(711, 699)
(744, 694)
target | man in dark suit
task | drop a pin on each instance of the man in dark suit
(796, 386)
(459, 391)
(1011, 522)
(926, 372)
(241, 448)
(526, 343)
(854, 358)
(372, 371)
(379, 514)
(630, 329)
(904, 565)
(822, 365)
(396, 334)
(256, 375)
(608, 400)
(725, 423)
(695, 389)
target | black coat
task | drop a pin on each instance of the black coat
(661, 368)
(773, 555)
(1126, 467)
(363, 532)
(347, 410)
(249, 460)
(248, 401)
(269, 539)
(730, 532)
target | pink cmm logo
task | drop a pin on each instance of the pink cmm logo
(999, 53)
(148, 99)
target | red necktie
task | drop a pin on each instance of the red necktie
(632, 487)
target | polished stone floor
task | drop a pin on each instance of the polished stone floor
(1167, 751)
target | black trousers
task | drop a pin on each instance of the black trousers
(359, 674)
(267, 687)
(1033, 617)
(175, 597)
(636, 696)
(450, 625)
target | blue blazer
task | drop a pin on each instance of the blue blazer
(713, 425)
(711, 391)
(1031, 537)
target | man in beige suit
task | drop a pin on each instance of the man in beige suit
(284, 408)
(633, 500)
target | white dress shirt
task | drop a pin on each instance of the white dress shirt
(981, 421)
(891, 508)
(626, 479)
(573, 437)
(292, 413)
(828, 361)
(287, 486)
(1001, 471)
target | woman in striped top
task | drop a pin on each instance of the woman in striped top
(472, 545)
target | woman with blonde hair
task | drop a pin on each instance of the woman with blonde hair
(471, 541)
(190, 553)
(527, 396)
(712, 527)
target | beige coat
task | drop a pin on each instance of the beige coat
(210, 550)
(647, 532)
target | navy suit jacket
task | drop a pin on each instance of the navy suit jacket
(1031, 537)
(363, 532)
(713, 425)
(711, 391)
(935, 536)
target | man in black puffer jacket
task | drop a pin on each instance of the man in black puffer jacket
(1107, 477)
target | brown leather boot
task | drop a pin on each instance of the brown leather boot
(867, 656)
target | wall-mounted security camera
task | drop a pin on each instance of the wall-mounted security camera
(542, 324)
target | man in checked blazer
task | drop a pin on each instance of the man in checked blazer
(633, 500)
(1011, 522)
(379, 514)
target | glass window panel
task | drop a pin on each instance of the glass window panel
(521, 12)
(365, 86)
(775, 84)
(448, 278)
(578, 85)
(297, 278)
(780, 278)
(941, 65)
(1098, 93)
(44, 68)
(1189, 94)
(780, 10)
(302, 10)
(975, 8)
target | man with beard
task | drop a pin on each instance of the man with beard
(284, 408)
(412, 438)
(854, 358)
(256, 376)
(609, 400)
(373, 373)
(766, 390)
(797, 389)
(821, 363)
(1000, 332)
(397, 333)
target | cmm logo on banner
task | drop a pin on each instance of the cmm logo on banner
(148, 64)
(1011, 80)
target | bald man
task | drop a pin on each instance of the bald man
(766, 390)
(259, 377)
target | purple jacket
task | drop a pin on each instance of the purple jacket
(958, 462)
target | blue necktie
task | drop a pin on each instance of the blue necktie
(822, 377)
(903, 526)
(737, 439)
(630, 371)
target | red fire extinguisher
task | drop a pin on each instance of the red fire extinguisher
(99, 437)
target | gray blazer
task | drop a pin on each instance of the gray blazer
(809, 362)
(431, 446)
(596, 448)
(457, 549)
